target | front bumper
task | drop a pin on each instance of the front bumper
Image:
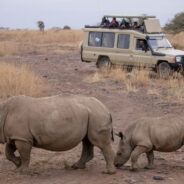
(178, 65)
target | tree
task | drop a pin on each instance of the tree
(41, 25)
(176, 25)
(66, 27)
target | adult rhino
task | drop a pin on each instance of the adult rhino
(164, 134)
(56, 123)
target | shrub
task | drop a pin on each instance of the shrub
(20, 81)
(176, 25)
(41, 25)
(66, 27)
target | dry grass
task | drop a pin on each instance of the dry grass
(26, 42)
(169, 91)
(35, 42)
(177, 40)
(175, 90)
(20, 81)
(153, 91)
(66, 165)
(131, 80)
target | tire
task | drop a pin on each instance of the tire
(164, 70)
(104, 63)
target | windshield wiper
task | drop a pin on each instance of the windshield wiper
(160, 47)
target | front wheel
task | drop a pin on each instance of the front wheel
(164, 70)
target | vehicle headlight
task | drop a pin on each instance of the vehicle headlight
(178, 59)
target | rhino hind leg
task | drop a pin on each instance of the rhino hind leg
(24, 149)
(9, 152)
(87, 154)
(135, 155)
(150, 157)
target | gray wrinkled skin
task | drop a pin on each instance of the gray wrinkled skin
(164, 134)
(56, 123)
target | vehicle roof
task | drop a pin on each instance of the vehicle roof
(130, 16)
(126, 31)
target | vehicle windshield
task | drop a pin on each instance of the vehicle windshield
(157, 42)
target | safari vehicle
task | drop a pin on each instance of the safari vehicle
(107, 47)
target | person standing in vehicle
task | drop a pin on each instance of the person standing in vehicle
(123, 24)
(114, 23)
(136, 26)
(105, 23)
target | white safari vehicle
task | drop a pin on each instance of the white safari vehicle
(136, 41)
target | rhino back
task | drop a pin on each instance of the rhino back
(100, 120)
(52, 123)
(100, 116)
(162, 134)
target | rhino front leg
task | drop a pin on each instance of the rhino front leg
(109, 157)
(135, 155)
(9, 152)
(102, 139)
(150, 157)
(24, 149)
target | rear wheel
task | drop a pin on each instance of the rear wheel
(104, 63)
(164, 70)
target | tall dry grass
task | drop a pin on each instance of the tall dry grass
(28, 42)
(20, 81)
(175, 90)
(177, 40)
(168, 91)
(132, 80)
(20, 42)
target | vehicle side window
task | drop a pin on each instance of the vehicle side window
(108, 40)
(123, 41)
(95, 39)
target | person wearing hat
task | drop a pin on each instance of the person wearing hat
(123, 24)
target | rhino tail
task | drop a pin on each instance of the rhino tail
(112, 132)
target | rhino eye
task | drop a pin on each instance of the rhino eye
(119, 154)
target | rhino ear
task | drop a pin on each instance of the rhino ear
(120, 135)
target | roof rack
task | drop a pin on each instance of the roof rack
(127, 16)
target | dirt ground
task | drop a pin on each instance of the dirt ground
(65, 73)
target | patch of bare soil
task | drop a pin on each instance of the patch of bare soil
(65, 73)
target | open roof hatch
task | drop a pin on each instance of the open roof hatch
(152, 26)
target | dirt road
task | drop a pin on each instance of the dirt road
(65, 73)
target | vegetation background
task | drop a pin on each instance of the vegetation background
(19, 80)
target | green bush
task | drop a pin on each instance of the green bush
(176, 25)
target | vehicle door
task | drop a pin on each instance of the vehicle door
(142, 55)
(122, 52)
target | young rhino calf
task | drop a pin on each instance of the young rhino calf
(163, 134)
